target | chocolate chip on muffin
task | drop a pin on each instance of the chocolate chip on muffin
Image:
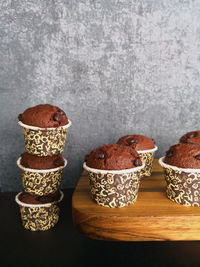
(132, 140)
(20, 117)
(137, 162)
(101, 154)
(169, 153)
(197, 157)
(58, 161)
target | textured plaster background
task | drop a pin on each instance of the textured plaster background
(115, 67)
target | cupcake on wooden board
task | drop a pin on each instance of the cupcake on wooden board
(182, 173)
(146, 148)
(39, 213)
(41, 175)
(45, 129)
(114, 175)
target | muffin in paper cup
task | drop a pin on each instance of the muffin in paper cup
(44, 141)
(41, 182)
(114, 189)
(183, 185)
(39, 217)
(147, 157)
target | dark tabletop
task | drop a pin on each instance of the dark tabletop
(65, 246)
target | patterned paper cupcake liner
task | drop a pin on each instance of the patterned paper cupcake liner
(41, 182)
(147, 157)
(114, 189)
(183, 185)
(39, 217)
(44, 141)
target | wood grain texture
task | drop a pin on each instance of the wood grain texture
(153, 217)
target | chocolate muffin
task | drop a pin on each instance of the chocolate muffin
(191, 138)
(44, 116)
(32, 199)
(183, 156)
(139, 142)
(41, 163)
(113, 157)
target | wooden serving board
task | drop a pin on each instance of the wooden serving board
(152, 218)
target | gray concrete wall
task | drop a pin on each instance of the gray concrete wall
(115, 67)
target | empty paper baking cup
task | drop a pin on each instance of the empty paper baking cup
(147, 157)
(41, 182)
(183, 185)
(39, 217)
(44, 141)
(114, 189)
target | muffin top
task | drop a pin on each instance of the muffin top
(31, 199)
(44, 116)
(41, 163)
(183, 156)
(139, 142)
(113, 157)
(191, 137)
